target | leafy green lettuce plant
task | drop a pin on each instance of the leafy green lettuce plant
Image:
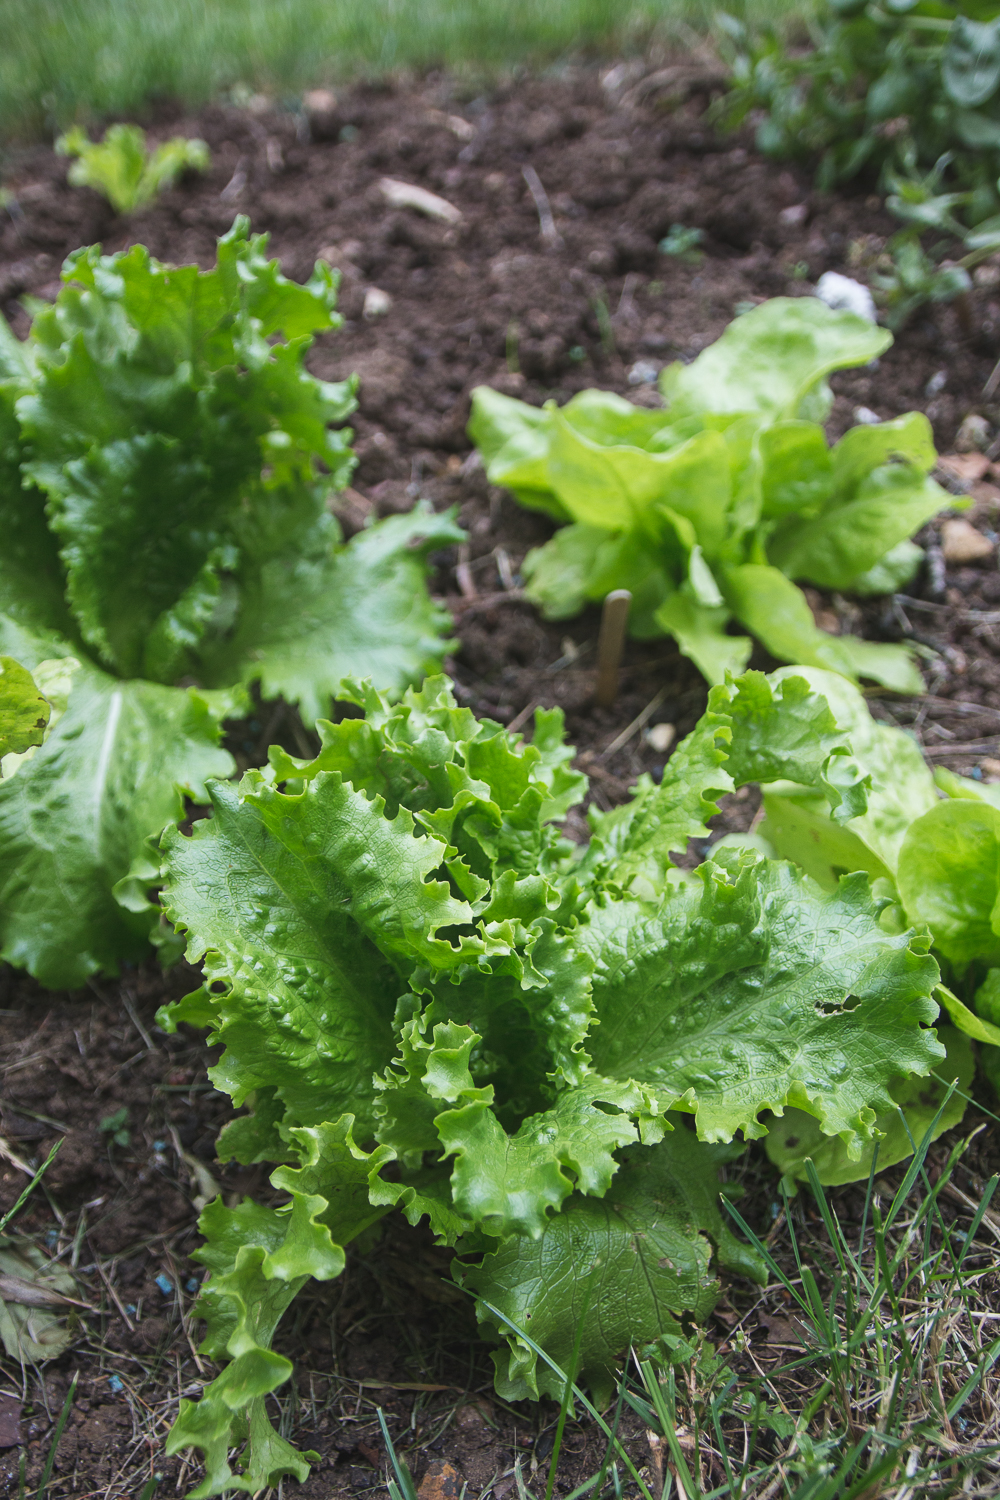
(930, 842)
(433, 1003)
(165, 468)
(886, 88)
(708, 510)
(124, 170)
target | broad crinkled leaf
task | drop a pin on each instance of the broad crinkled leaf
(362, 611)
(755, 990)
(310, 909)
(631, 1265)
(113, 770)
(797, 1136)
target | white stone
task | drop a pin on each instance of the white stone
(844, 294)
(962, 543)
(660, 737)
(377, 302)
(643, 372)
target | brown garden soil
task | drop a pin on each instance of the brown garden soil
(487, 300)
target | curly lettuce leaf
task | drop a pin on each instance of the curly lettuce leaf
(259, 1259)
(901, 789)
(326, 877)
(158, 404)
(403, 909)
(492, 799)
(113, 770)
(754, 990)
(630, 1266)
(502, 1183)
(773, 361)
(754, 729)
(308, 621)
(797, 1137)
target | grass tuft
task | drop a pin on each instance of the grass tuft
(79, 61)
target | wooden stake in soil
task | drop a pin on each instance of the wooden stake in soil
(610, 643)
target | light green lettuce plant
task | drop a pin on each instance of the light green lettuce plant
(433, 1004)
(709, 510)
(166, 463)
(123, 169)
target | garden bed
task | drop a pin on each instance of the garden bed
(490, 300)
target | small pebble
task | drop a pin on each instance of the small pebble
(974, 433)
(844, 294)
(660, 737)
(962, 543)
(937, 383)
(865, 417)
(165, 1284)
(192, 1285)
(377, 303)
(643, 372)
(116, 1384)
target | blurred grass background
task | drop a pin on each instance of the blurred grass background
(80, 60)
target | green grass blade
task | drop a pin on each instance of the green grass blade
(583, 1400)
(43, 1484)
(404, 1479)
(11, 1212)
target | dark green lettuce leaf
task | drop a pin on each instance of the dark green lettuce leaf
(75, 815)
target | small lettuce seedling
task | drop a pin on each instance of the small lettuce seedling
(123, 169)
(682, 244)
(709, 510)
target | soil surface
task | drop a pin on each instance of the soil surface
(488, 299)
